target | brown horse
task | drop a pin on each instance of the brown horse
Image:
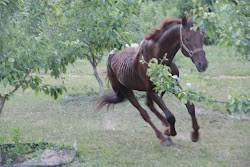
(126, 73)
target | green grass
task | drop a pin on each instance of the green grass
(120, 137)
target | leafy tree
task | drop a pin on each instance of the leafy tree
(45, 36)
(29, 44)
(99, 25)
(226, 22)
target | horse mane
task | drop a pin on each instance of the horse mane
(166, 24)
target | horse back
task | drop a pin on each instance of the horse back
(125, 68)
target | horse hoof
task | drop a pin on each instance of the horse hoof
(170, 132)
(166, 142)
(167, 132)
(194, 137)
(173, 133)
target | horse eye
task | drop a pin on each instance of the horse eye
(187, 39)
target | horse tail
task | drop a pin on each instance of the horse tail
(117, 96)
(109, 99)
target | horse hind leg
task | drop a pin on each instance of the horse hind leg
(164, 121)
(130, 96)
(170, 131)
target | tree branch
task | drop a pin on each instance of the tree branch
(2, 101)
(89, 59)
(99, 59)
(215, 101)
(21, 82)
(93, 58)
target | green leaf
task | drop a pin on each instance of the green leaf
(37, 91)
(3, 3)
(11, 60)
(5, 81)
(212, 14)
(183, 100)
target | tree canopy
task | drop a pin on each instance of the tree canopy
(99, 26)
(46, 36)
(29, 44)
(227, 23)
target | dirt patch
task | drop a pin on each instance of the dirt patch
(42, 157)
(77, 98)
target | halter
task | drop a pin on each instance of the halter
(190, 52)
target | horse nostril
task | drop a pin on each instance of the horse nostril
(199, 64)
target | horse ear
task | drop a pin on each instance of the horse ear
(184, 21)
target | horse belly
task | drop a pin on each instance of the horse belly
(133, 83)
(130, 79)
(126, 72)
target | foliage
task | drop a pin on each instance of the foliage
(104, 27)
(19, 147)
(226, 22)
(237, 103)
(151, 13)
(29, 44)
(102, 30)
(164, 81)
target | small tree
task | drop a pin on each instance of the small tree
(100, 26)
(29, 44)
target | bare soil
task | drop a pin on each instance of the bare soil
(42, 157)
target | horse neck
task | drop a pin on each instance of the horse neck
(169, 43)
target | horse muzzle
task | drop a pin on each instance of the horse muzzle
(201, 65)
(200, 61)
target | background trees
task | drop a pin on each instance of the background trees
(226, 23)
(46, 36)
(99, 26)
(29, 45)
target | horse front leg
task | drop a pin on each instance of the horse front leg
(195, 132)
(191, 110)
(170, 131)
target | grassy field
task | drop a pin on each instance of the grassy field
(120, 137)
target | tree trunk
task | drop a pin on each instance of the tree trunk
(2, 101)
(98, 79)
(94, 64)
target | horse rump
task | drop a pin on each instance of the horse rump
(117, 96)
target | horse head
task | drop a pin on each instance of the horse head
(191, 44)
